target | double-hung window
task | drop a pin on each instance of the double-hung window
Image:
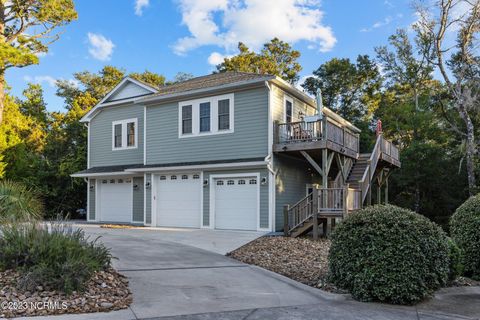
(186, 119)
(206, 116)
(124, 134)
(224, 114)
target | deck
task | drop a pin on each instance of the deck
(321, 134)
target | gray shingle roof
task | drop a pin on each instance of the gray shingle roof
(210, 81)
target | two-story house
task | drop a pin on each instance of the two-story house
(225, 151)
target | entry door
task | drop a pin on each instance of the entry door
(236, 203)
(179, 200)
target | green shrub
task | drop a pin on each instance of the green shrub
(388, 254)
(455, 257)
(465, 231)
(54, 256)
(18, 202)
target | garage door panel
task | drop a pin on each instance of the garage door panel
(115, 201)
(236, 203)
(178, 201)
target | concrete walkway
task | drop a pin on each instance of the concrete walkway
(173, 276)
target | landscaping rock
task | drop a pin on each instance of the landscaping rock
(106, 291)
(301, 259)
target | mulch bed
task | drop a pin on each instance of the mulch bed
(301, 259)
(106, 291)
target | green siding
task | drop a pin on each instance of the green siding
(101, 153)
(138, 199)
(263, 194)
(249, 139)
(292, 177)
(91, 198)
(148, 199)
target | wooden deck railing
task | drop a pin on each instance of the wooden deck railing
(325, 129)
(323, 201)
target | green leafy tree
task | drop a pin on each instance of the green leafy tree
(34, 105)
(276, 58)
(27, 29)
(350, 89)
(458, 64)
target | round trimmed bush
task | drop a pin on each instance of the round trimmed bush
(389, 254)
(465, 231)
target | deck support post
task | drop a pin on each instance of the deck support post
(286, 227)
(386, 190)
(379, 194)
(315, 213)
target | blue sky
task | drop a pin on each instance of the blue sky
(191, 35)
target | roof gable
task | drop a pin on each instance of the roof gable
(128, 89)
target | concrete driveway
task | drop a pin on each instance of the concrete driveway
(178, 274)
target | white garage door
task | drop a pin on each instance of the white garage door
(178, 200)
(236, 203)
(116, 200)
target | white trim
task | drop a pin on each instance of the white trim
(124, 124)
(100, 174)
(271, 200)
(201, 200)
(194, 167)
(144, 86)
(270, 118)
(213, 100)
(89, 115)
(232, 175)
(88, 145)
(289, 99)
(88, 200)
(144, 199)
(97, 201)
(153, 183)
(144, 134)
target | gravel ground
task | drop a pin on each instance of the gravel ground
(106, 291)
(301, 259)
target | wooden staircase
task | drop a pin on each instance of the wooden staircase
(358, 170)
(329, 203)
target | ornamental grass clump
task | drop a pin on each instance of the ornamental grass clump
(54, 255)
(389, 254)
(18, 203)
(465, 231)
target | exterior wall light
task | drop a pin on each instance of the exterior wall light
(205, 182)
(263, 181)
(92, 187)
(135, 187)
(147, 185)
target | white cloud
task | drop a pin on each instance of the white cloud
(224, 23)
(140, 5)
(51, 81)
(100, 48)
(379, 24)
(216, 58)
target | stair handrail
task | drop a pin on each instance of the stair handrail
(372, 165)
(294, 222)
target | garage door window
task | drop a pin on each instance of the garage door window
(253, 181)
(241, 181)
(163, 178)
(196, 176)
(184, 177)
(173, 178)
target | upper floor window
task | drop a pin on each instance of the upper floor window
(186, 119)
(205, 117)
(124, 134)
(212, 115)
(288, 109)
(224, 114)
